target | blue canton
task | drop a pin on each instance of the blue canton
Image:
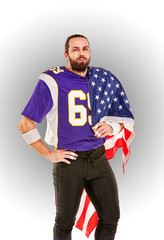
(108, 97)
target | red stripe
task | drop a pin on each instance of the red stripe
(127, 134)
(110, 153)
(92, 223)
(125, 148)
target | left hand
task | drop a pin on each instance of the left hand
(102, 129)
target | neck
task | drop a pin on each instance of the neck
(82, 74)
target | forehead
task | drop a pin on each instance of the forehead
(78, 42)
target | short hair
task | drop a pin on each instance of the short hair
(70, 37)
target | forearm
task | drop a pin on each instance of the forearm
(41, 148)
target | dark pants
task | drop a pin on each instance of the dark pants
(92, 171)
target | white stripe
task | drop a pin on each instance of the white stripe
(109, 143)
(47, 78)
(51, 136)
(131, 138)
(89, 213)
(124, 120)
(125, 158)
(81, 205)
(52, 85)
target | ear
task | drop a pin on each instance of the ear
(66, 55)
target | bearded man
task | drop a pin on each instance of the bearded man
(78, 101)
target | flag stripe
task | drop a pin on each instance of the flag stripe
(89, 213)
(91, 224)
(88, 216)
(84, 205)
(81, 205)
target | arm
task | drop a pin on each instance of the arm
(57, 155)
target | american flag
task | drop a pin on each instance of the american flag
(108, 103)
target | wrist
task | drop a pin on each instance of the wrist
(115, 126)
(48, 154)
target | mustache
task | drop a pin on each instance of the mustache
(81, 57)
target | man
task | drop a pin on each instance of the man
(67, 96)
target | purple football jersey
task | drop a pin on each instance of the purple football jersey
(63, 97)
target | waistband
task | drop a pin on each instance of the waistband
(91, 153)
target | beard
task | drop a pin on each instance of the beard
(79, 66)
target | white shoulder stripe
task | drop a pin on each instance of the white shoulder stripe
(48, 79)
(51, 136)
(52, 84)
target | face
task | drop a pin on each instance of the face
(78, 55)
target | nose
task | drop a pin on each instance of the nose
(81, 52)
(81, 56)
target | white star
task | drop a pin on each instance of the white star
(108, 99)
(109, 106)
(115, 99)
(98, 70)
(93, 84)
(105, 73)
(122, 93)
(120, 107)
(96, 76)
(102, 102)
(99, 111)
(112, 92)
(126, 101)
(97, 97)
(105, 93)
(112, 78)
(100, 89)
(103, 79)
(109, 85)
(117, 85)
(104, 108)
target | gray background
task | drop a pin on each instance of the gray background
(126, 38)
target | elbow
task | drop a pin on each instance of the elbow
(25, 124)
(20, 127)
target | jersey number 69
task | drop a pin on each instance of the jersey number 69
(74, 109)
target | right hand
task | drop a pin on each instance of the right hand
(59, 155)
